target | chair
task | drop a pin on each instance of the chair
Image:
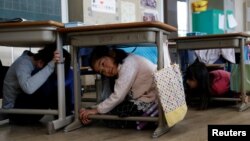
(85, 69)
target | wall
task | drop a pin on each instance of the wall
(239, 15)
(117, 11)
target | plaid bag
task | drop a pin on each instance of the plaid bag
(171, 93)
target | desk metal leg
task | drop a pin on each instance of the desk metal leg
(162, 125)
(62, 120)
(76, 124)
(244, 106)
(60, 81)
(244, 98)
(59, 123)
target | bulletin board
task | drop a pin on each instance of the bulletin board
(115, 11)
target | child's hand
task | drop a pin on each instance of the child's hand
(84, 115)
(57, 57)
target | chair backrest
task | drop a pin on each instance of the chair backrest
(211, 67)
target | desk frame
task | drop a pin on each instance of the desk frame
(230, 40)
(114, 34)
(38, 34)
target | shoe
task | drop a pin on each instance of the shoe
(244, 106)
(3, 119)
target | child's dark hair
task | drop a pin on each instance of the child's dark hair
(101, 51)
(47, 53)
(198, 71)
(67, 60)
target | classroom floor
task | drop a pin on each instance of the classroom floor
(192, 128)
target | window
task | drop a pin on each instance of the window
(182, 20)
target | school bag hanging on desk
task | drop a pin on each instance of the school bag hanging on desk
(170, 88)
(235, 78)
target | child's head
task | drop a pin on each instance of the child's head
(197, 76)
(46, 54)
(106, 60)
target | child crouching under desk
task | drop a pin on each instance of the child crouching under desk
(133, 91)
(205, 84)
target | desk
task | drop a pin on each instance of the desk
(142, 33)
(230, 40)
(114, 34)
(38, 34)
